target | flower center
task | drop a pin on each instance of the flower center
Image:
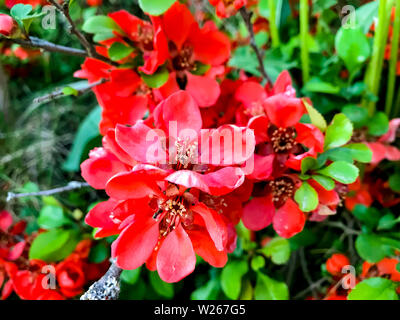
(186, 153)
(184, 59)
(282, 189)
(283, 139)
(145, 37)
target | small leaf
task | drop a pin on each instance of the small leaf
(308, 164)
(374, 289)
(53, 245)
(357, 115)
(231, 278)
(155, 7)
(394, 182)
(325, 182)
(371, 248)
(100, 24)
(270, 289)
(156, 80)
(306, 197)
(278, 249)
(69, 91)
(359, 152)
(316, 118)
(341, 171)
(52, 217)
(338, 132)
(370, 216)
(257, 262)
(387, 222)
(353, 47)
(131, 276)
(119, 51)
(378, 125)
(21, 11)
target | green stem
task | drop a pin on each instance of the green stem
(272, 24)
(393, 61)
(373, 74)
(305, 59)
(396, 111)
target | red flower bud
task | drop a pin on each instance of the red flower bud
(336, 262)
(7, 25)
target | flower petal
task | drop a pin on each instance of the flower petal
(258, 213)
(289, 220)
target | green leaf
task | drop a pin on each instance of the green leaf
(270, 289)
(341, 171)
(394, 182)
(209, 291)
(278, 249)
(157, 79)
(316, 118)
(53, 245)
(20, 11)
(131, 276)
(88, 130)
(387, 222)
(98, 253)
(371, 248)
(308, 163)
(244, 58)
(306, 197)
(100, 24)
(200, 68)
(370, 216)
(379, 124)
(365, 15)
(374, 289)
(231, 278)
(155, 7)
(52, 217)
(359, 152)
(338, 132)
(325, 182)
(357, 115)
(317, 85)
(353, 47)
(69, 91)
(162, 288)
(257, 262)
(119, 51)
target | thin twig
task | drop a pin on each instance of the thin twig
(246, 15)
(90, 49)
(306, 273)
(59, 93)
(70, 186)
(342, 226)
(313, 286)
(34, 42)
(107, 288)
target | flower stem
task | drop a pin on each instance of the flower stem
(272, 24)
(305, 60)
(393, 61)
(373, 74)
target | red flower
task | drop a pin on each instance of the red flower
(33, 3)
(358, 194)
(384, 268)
(178, 156)
(336, 262)
(124, 98)
(94, 3)
(188, 47)
(227, 8)
(7, 25)
(70, 277)
(161, 227)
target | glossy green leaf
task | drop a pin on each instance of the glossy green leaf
(119, 51)
(371, 248)
(306, 197)
(325, 182)
(131, 276)
(352, 46)
(155, 7)
(378, 125)
(157, 79)
(359, 152)
(231, 278)
(316, 118)
(369, 216)
(162, 288)
(338, 132)
(278, 249)
(374, 289)
(357, 115)
(100, 24)
(51, 216)
(394, 182)
(341, 171)
(270, 289)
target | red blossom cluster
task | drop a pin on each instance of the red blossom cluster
(39, 280)
(174, 192)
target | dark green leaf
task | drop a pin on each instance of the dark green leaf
(131, 276)
(157, 79)
(162, 288)
(98, 253)
(278, 249)
(379, 124)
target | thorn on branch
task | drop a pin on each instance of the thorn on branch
(107, 288)
(246, 15)
(70, 186)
